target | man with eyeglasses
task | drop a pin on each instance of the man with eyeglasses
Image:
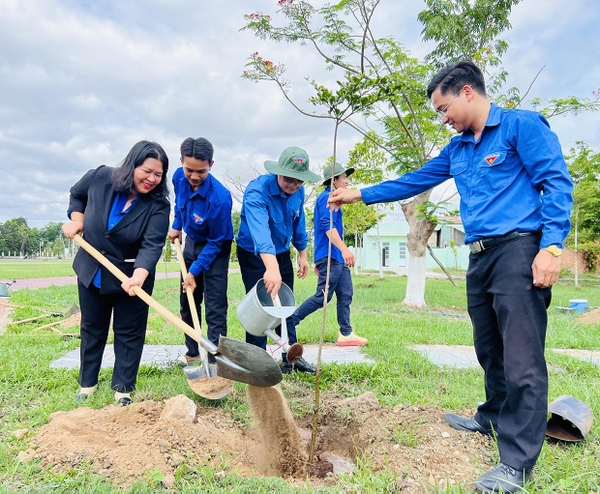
(515, 205)
(272, 218)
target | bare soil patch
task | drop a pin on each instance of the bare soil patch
(413, 442)
(591, 317)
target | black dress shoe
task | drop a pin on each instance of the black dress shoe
(502, 478)
(466, 424)
(125, 401)
(300, 366)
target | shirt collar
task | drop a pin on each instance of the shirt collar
(273, 186)
(494, 118)
(202, 190)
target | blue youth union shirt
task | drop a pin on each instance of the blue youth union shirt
(204, 215)
(322, 226)
(271, 219)
(514, 178)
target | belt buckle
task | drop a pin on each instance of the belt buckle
(476, 247)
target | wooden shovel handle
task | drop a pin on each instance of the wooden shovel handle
(192, 304)
(188, 291)
(163, 311)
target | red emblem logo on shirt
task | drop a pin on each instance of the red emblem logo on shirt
(198, 218)
(490, 159)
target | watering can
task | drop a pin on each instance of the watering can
(259, 314)
(4, 288)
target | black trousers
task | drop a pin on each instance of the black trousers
(253, 269)
(211, 287)
(509, 330)
(130, 318)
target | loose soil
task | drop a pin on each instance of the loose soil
(125, 443)
(591, 317)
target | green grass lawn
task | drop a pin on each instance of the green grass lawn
(49, 268)
(30, 391)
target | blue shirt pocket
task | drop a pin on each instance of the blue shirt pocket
(180, 202)
(457, 170)
(495, 171)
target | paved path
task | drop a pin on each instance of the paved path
(453, 356)
(166, 355)
(463, 357)
(35, 283)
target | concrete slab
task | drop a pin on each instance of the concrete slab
(463, 357)
(457, 356)
(165, 355)
(159, 355)
(585, 355)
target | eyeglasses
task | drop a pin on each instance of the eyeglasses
(292, 181)
(442, 111)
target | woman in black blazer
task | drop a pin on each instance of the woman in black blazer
(124, 213)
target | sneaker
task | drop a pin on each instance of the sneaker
(300, 366)
(351, 340)
(185, 360)
(84, 393)
(123, 399)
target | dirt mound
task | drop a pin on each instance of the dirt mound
(123, 444)
(591, 317)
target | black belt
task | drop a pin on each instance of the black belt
(491, 242)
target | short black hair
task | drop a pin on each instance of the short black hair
(122, 177)
(200, 149)
(453, 77)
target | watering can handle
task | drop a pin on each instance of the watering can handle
(163, 311)
(284, 333)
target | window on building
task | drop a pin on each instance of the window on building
(402, 255)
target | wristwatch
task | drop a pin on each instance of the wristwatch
(554, 250)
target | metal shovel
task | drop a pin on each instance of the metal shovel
(198, 377)
(235, 360)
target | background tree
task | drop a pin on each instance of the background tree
(50, 232)
(18, 237)
(358, 219)
(584, 166)
(372, 165)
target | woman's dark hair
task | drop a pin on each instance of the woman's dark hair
(454, 77)
(200, 149)
(122, 177)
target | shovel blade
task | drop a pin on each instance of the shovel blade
(246, 363)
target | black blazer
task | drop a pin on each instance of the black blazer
(135, 242)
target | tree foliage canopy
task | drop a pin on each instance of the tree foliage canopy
(16, 237)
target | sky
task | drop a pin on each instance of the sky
(81, 81)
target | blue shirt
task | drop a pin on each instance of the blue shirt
(514, 178)
(322, 226)
(271, 219)
(116, 214)
(204, 215)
